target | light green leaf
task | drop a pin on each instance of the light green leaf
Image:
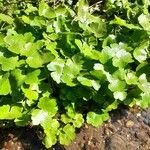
(117, 85)
(30, 94)
(144, 85)
(83, 10)
(35, 60)
(5, 87)
(131, 78)
(122, 58)
(145, 102)
(32, 77)
(49, 105)
(5, 62)
(49, 140)
(122, 22)
(67, 135)
(38, 116)
(96, 119)
(6, 18)
(87, 50)
(45, 10)
(144, 21)
(141, 52)
(70, 72)
(88, 82)
(120, 95)
(65, 118)
(8, 112)
(84, 81)
(78, 120)
(19, 76)
(57, 69)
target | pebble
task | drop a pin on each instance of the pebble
(129, 124)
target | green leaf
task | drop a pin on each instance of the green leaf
(78, 120)
(30, 94)
(131, 78)
(2, 39)
(145, 102)
(70, 72)
(87, 50)
(141, 52)
(49, 140)
(32, 77)
(45, 10)
(51, 47)
(117, 85)
(67, 135)
(30, 9)
(19, 76)
(111, 106)
(5, 62)
(144, 85)
(18, 43)
(82, 11)
(5, 87)
(144, 21)
(96, 119)
(65, 118)
(38, 116)
(48, 105)
(24, 120)
(57, 69)
(35, 60)
(50, 127)
(120, 95)
(90, 83)
(122, 58)
(6, 18)
(122, 22)
(8, 112)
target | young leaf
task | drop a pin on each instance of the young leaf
(67, 134)
(145, 102)
(8, 112)
(96, 119)
(38, 116)
(6, 18)
(90, 83)
(50, 127)
(144, 21)
(5, 62)
(45, 10)
(5, 87)
(120, 95)
(35, 60)
(57, 69)
(48, 105)
(122, 22)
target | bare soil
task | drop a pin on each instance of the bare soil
(128, 129)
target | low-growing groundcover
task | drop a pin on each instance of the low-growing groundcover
(63, 64)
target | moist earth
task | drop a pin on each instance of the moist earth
(127, 129)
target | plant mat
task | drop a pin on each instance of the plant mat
(128, 129)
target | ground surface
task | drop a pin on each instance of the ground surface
(126, 130)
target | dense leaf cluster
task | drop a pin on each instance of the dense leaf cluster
(63, 64)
